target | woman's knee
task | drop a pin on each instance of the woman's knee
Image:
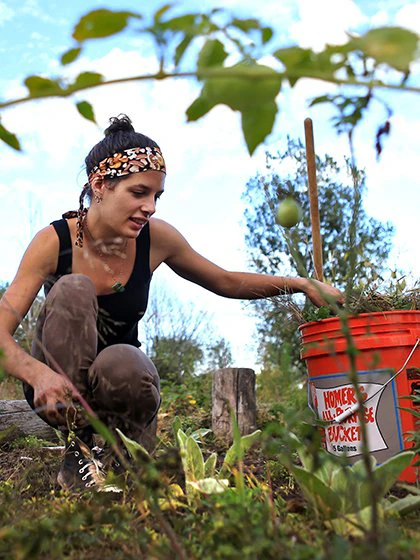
(123, 363)
(73, 290)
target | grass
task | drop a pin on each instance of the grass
(269, 519)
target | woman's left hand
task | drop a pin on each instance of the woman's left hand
(320, 293)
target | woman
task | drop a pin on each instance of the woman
(96, 265)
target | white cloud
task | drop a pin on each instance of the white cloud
(325, 21)
(380, 18)
(394, 188)
(6, 13)
(271, 12)
(33, 9)
(409, 16)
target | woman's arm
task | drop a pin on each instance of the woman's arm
(39, 260)
(173, 249)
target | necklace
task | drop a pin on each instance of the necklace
(104, 250)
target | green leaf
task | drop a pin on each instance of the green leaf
(160, 12)
(198, 108)
(294, 58)
(249, 440)
(301, 63)
(404, 505)
(390, 45)
(412, 411)
(186, 463)
(86, 110)
(87, 79)
(246, 24)
(388, 472)
(195, 459)
(39, 86)
(237, 451)
(70, 55)
(133, 447)
(253, 85)
(328, 472)
(341, 483)
(182, 47)
(182, 438)
(321, 99)
(9, 138)
(200, 433)
(354, 524)
(210, 465)
(252, 91)
(360, 483)
(212, 54)
(266, 34)
(209, 485)
(180, 23)
(102, 23)
(257, 123)
(176, 426)
(410, 488)
(324, 499)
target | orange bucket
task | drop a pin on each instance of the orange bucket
(388, 368)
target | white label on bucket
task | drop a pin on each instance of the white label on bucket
(345, 438)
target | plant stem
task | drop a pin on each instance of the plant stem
(166, 528)
(352, 352)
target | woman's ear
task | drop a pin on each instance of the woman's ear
(97, 184)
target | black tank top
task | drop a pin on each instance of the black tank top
(119, 313)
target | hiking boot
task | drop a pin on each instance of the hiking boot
(81, 470)
(109, 460)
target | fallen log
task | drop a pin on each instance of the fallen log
(18, 418)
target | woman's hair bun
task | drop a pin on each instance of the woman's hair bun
(122, 123)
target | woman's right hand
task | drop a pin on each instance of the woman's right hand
(54, 395)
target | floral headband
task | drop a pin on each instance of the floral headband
(129, 161)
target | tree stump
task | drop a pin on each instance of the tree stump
(19, 418)
(233, 390)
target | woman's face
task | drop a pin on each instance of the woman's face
(127, 206)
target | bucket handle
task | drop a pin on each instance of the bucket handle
(338, 419)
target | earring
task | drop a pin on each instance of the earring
(97, 197)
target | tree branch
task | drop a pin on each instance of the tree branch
(219, 73)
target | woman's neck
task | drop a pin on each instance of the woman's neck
(103, 240)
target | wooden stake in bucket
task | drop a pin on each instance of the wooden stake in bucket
(313, 199)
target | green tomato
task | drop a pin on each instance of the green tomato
(289, 213)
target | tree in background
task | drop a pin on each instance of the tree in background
(269, 246)
(179, 338)
(219, 354)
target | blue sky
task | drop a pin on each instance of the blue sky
(207, 161)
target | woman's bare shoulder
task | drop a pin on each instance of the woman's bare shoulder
(163, 231)
(165, 241)
(42, 252)
(47, 236)
(158, 225)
